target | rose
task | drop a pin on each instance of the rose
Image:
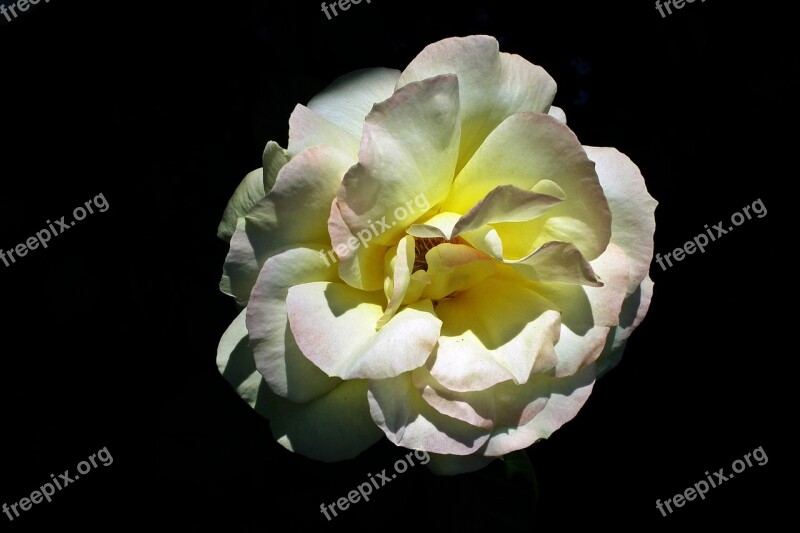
(470, 329)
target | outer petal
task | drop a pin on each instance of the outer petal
(334, 325)
(633, 312)
(280, 361)
(524, 150)
(295, 211)
(235, 361)
(495, 331)
(566, 396)
(347, 100)
(407, 159)
(493, 86)
(334, 427)
(398, 409)
(249, 191)
(633, 220)
(298, 206)
(307, 129)
(252, 189)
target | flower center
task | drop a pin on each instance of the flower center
(423, 245)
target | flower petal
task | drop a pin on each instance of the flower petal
(307, 129)
(559, 262)
(235, 361)
(493, 332)
(333, 427)
(408, 153)
(400, 263)
(522, 151)
(632, 209)
(287, 371)
(505, 203)
(294, 211)
(334, 325)
(492, 85)
(347, 100)
(297, 208)
(633, 312)
(249, 191)
(398, 409)
(360, 262)
(566, 396)
(504, 404)
(273, 159)
(455, 267)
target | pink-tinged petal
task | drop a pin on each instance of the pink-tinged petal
(347, 100)
(333, 427)
(633, 220)
(524, 150)
(298, 206)
(558, 114)
(504, 404)
(360, 262)
(407, 159)
(566, 396)
(307, 129)
(492, 85)
(406, 420)
(588, 313)
(633, 312)
(287, 371)
(235, 361)
(493, 332)
(505, 203)
(335, 327)
(294, 211)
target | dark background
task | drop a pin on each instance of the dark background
(109, 336)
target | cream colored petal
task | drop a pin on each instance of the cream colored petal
(494, 332)
(492, 85)
(347, 100)
(522, 151)
(335, 327)
(407, 159)
(287, 371)
(333, 427)
(406, 420)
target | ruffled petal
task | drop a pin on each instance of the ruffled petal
(335, 327)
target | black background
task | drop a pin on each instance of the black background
(109, 336)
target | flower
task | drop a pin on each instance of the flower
(471, 326)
